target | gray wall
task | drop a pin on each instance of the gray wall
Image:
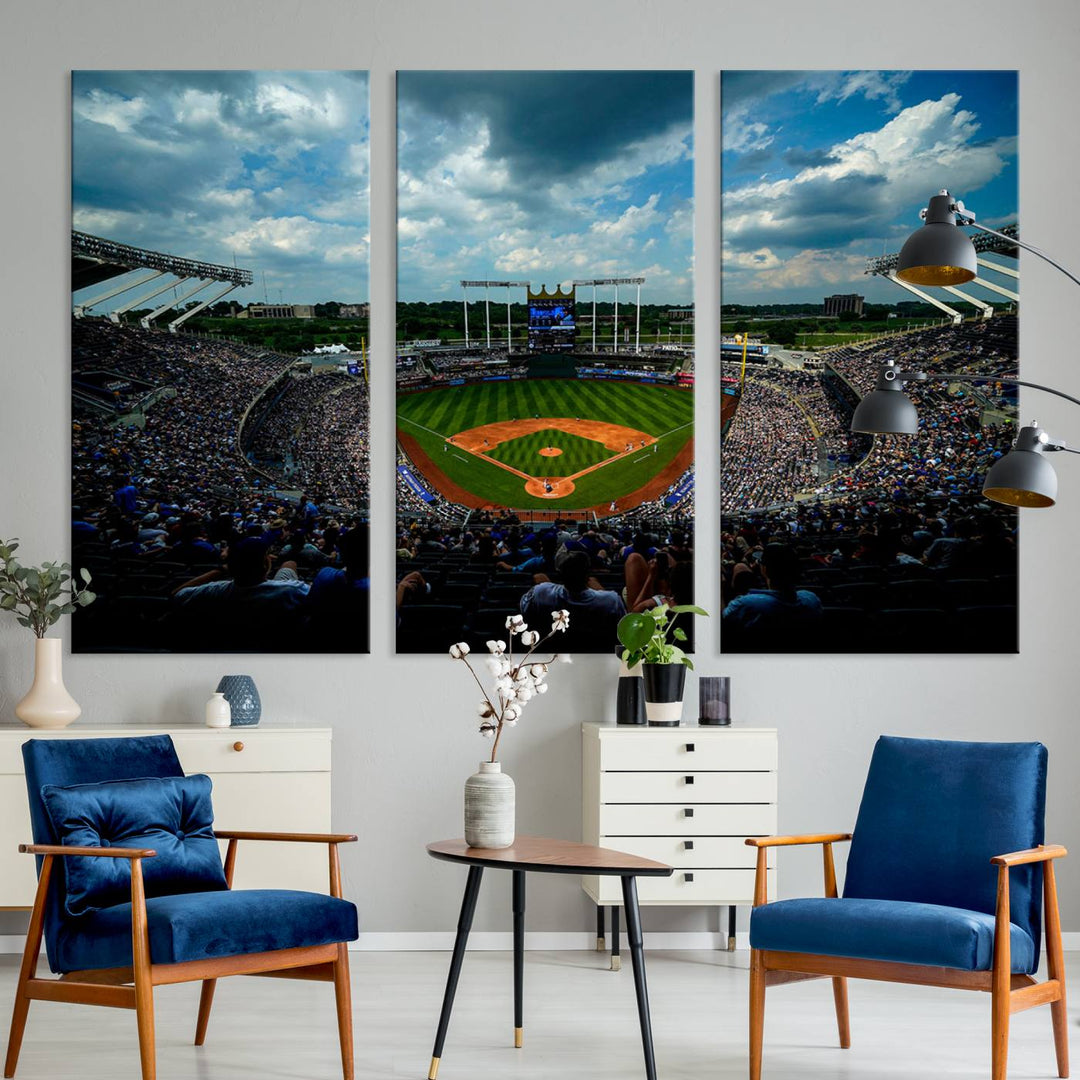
(404, 726)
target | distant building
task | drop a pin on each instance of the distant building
(842, 302)
(278, 311)
(354, 311)
(681, 314)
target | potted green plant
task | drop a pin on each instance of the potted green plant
(38, 596)
(651, 638)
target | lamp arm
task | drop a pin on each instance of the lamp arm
(963, 219)
(945, 376)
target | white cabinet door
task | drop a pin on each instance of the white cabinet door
(275, 802)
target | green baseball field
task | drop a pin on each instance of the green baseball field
(552, 444)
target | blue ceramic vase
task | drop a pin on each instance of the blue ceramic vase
(243, 699)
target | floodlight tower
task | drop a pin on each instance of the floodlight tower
(593, 282)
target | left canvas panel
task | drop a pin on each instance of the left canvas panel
(219, 367)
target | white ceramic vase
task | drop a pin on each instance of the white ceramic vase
(218, 711)
(48, 704)
(489, 807)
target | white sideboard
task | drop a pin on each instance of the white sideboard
(273, 779)
(686, 796)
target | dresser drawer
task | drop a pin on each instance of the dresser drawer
(670, 819)
(708, 888)
(261, 751)
(687, 787)
(706, 852)
(689, 749)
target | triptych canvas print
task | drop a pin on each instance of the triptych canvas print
(544, 364)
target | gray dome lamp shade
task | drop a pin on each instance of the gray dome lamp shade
(886, 410)
(939, 253)
(1023, 477)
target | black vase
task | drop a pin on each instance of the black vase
(664, 685)
(630, 698)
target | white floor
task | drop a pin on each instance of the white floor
(580, 1021)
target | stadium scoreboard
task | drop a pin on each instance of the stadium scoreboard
(551, 320)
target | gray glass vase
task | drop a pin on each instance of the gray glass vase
(243, 699)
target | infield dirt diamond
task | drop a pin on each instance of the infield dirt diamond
(621, 440)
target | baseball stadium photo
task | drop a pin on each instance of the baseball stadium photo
(545, 365)
(839, 534)
(219, 361)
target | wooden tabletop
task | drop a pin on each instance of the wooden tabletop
(543, 854)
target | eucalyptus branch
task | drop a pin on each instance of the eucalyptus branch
(35, 594)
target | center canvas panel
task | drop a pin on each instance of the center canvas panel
(545, 352)
(840, 534)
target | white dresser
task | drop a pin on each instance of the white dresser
(273, 779)
(686, 796)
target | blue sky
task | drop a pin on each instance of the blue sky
(269, 168)
(545, 177)
(823, 169)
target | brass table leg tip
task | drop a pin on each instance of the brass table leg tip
(517, 1038)
(616, 963)
(433, 1072)
(600, 946)
(730, 944)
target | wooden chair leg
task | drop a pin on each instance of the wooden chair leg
(757, 1012)
(206, 1000)
(343, 993)
(28, 969)
(1055, 968)
(843, 1025)
(1001, 981)
(144, 987)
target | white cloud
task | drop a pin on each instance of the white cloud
(633, 219)
(112, 110)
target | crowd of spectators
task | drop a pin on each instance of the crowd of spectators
(465, 579)
(315, 436)
(190, 548)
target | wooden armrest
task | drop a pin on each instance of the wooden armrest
(1042, 853)
(299, 838)
(792, 841)
(101, 852)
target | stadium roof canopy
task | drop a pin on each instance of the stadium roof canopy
(95, 260)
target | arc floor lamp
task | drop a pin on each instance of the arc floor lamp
(940, 253)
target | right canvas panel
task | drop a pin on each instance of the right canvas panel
(840, 535)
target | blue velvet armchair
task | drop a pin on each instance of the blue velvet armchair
(945, 875)
(132, 893)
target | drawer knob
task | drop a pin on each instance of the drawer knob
(689, 747)
(688, 812)
(688, 845)
(688, 878)
(688, 779)
(238, 746)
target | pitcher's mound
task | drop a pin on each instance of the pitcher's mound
(549, 489)
(550, 451)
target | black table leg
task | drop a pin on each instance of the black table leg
(519, 954)
(731, 927)
(468, 908)
(637, 958)
(616, 958)
(600, 928)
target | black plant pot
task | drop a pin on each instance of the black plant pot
(664, 685)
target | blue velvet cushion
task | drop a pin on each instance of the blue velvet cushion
(171, 815)
(199, 926)
(933, 815)
(901, 931)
